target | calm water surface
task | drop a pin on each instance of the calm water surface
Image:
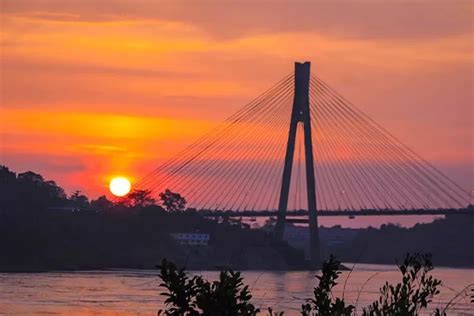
(132, 292)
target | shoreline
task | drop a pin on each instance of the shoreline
(344, 267)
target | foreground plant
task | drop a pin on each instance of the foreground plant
(414, 293)
(228, 296)
(179, 290)
(323, 302)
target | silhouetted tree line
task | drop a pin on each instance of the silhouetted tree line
(41, 228)
(29, 191)
(449, 239)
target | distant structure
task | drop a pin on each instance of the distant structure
(298, 236)
(302, 149)
(300, 113)
(192, 239)
(68, 209)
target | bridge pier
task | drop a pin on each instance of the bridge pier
(300, 114)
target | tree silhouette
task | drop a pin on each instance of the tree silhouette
(8, 188)
(140, 198)
(172, 202)
(28, 191)
(79, 200)
(101, 203)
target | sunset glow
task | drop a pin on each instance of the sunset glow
(87, 90)
(279, 138)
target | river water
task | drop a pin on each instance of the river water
(136, 292)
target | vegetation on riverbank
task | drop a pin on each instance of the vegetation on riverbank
(41, 228)
(448, 239)
(228, 296)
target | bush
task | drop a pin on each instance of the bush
(191, 296)
(195, 296)
(322, 303)
(415, 292)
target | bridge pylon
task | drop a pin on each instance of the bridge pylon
(300, 114)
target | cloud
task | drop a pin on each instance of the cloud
(85, 68)
(43, 162)
(230, 19)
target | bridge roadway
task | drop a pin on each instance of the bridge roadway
(347, 213)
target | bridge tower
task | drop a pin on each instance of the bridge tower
(300, 114)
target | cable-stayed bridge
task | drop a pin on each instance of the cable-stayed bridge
(302, 147)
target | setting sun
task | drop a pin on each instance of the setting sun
(119, 186)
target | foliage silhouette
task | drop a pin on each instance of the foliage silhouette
(139, 198)
(414, 293)
(190, 296)
(79, 200)
(195, 296)
(28, 191)
(172, 202)
(101, 203)
(323, 303)
(180, 290)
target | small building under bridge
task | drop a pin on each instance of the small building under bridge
(192, 239)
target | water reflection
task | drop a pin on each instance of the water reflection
(136, 292)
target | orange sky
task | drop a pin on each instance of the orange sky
(90, 89)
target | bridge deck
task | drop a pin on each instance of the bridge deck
(351, 213)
